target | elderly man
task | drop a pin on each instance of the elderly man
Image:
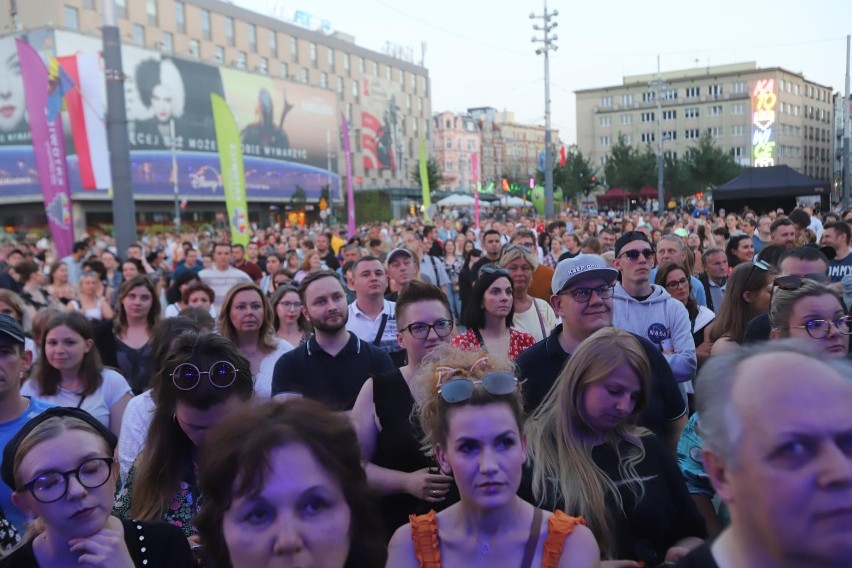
(671, 248)
(779, 456)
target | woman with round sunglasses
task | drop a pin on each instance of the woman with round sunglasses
(472, 418)
(675, 279)
(283, 486)
(531, 315)
(747, 296)
(288, 320)
(590, 458)
(247, 320)
(390, 443)
(489, 315)
(204, 379)
(61, 467)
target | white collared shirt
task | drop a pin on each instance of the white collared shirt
(367, 328)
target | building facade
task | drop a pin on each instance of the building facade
(762, 117)
(298, 78)
(455, 139)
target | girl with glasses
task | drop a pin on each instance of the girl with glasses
(203, 380)
(390, 444)
(61, 467)
(813, 312)
(489, 316)
(288, 321)
(675, 279)
(589, 457)
(472, 418)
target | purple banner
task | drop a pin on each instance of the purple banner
(350, 195)
(49, 147)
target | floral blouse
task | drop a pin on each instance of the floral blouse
(518, 342)
(453, 269)
(184, 505)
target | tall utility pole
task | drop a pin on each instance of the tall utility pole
(548, 44)
(847, 191)
(123, 209)
(658, 84)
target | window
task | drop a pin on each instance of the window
(605, 141)
(138, 35)
(340, 86)
(229, 31)
(737, 130)
(346, 63)
(241, 60)
(401, 76)
(670, 94)
(737, 108)
(88, 5)
(120, 8)
(387, 72)
(626, 119)
(205, 24)
(330, 59)
(375, 68)
(693, 92)
(412, 84)
(738, 87)
(283, 70)
(355, 90)
(151, 11)
(263, 65)
(648, 137)
(715, 131)
(324, 80)
(303, 75)
(361, 65)
(167, 43)
(716, 110)
(714, 90)
(72, 18)
(180, 17)
(670, 135)
(648, 117)
(273, 43)
(448, 165)
(737, 152)
(294, 50)
(605, 121)
(649, 96)
(194, 48)
(691, 133)
(691, 112)
(252, 36)
(220, 55)
(627, 99)
(669, 115)
(670, 154)
(606, 101)
(312, 49)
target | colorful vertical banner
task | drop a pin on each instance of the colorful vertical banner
(350, 193)
(474, 165)
(424, 179)
(49, 147)
(231, 164)
(763, 139)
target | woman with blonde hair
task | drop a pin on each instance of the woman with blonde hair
(246, 320)
(591, 459)
(472, 418)
(90, 303)
(311, 263)
(532, 315)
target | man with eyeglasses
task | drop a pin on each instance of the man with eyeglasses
(15, 410)
(371, 316)
(649, 310)
(582, 289)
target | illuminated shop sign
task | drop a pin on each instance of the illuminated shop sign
(763, 103)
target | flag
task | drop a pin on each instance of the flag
(231, 164)
(58, 85)
(540, 165)
(86, 104)
(474, 164)
(563, 156)
(49, 148)
(350, 193)
(424, 179)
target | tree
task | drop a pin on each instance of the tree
(629, 168)
(433, 174)
(709, 165)
(577, 176)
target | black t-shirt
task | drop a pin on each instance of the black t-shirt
(331, 261)
(333, 380)
(541, 364)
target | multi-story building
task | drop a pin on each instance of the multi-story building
(761, 116)
(455, 139)
(839, 132)
(287, 86)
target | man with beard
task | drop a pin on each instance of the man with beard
(334, 363)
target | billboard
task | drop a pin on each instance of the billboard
(763, 136)
(381, 127)
(289, 131)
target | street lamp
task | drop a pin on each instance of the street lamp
(548, 44)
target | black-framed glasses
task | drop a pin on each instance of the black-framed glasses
(222, 374)
(488, 269)
(461, 388)
(820, 328)
(675, 284)
(633, 255)
(53, 485)
(420, 329)
(583, 295)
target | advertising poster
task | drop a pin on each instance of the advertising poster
(381, 135)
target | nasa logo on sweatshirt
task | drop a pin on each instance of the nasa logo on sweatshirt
(657, 332)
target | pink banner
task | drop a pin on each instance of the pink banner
(474, 165)
(350, 194)
(49, 148)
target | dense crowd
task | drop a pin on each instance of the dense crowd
(617, 390)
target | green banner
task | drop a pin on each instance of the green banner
(424, 179)
(231, 163)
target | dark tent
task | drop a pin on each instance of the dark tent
(766, 189)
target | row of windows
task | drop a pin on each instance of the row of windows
(716, 90)
(688, 112)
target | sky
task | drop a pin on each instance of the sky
(480, 53)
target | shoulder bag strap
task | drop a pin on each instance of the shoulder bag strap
(540, 319)
(532, 541)
(378, 340)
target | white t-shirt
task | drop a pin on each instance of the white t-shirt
(529, 322)
(134, 430)
(98, 404)
(367, 329)
(263, 378)
(222, 281)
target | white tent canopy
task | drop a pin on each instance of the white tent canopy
(456, 200)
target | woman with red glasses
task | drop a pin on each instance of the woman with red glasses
(472, 419)
(203, 380)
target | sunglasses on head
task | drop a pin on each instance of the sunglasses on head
(187, 376)
(494, 270)
(633, 255)
(794, 281)
(459, 388)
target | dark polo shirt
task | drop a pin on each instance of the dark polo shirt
(541, 364)
(333, 380)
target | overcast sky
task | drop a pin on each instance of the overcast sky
(479, 53)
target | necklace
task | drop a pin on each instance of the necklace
(484, 548)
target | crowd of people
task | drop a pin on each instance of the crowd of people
(619, 391)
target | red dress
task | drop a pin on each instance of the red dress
(518, 342)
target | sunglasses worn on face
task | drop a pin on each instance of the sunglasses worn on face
(461, 388)
(633, 255)
(222, 374)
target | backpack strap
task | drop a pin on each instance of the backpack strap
(424, 533)
(532, 541)
(559, 526)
